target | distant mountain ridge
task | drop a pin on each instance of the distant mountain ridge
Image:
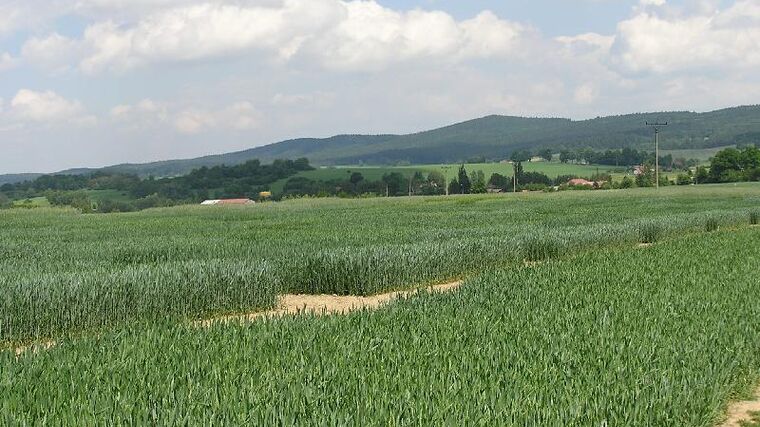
(492, 137)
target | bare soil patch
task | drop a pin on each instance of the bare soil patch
(34, 348)
(740, 411)
(327, 304)
(645, 245)
(292, 304)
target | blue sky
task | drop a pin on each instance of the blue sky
(99, 82)
(554, 17)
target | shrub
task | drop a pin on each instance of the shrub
(711, 225)
(649, 233)
(754, 217)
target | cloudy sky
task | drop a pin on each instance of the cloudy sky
(98, 82)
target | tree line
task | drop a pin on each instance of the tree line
(251, 178)
(245, 180)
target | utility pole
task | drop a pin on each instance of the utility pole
(514, 176)
(657, 126)
(446, 178)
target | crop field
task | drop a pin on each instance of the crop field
(36, 202)
(702, 154)
(594, 329)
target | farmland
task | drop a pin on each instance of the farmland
(661, 335)
(551, 169)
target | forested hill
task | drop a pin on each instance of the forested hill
(492, 137)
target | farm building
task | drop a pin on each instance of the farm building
(227, 202)
(580, 182)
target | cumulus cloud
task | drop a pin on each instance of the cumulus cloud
(238, 116)
(337, 34)
(719, 39)
(53, 52)
(371, 37)
(587, 40)
(48, 107)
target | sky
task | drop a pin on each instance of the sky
(100, 82)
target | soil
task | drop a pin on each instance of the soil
(328, 304)
(35, 348)
(740, 411)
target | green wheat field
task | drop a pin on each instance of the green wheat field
(634, 307)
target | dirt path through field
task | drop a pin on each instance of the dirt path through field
(294, 304)
(740, 411)
(34, 347)
(327, 304)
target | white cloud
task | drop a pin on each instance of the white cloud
(338, 34)
(144, 115)
(47, 108)
(240, 116)
(372, 37)
(53, 52)
(206, 31)
(585, 94)
(7, 62)
(586, 40)
(315, 99)
(721, 39)
(190, 122)
(10, 18)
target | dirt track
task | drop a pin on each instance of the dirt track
(327, 304)
(740, 411)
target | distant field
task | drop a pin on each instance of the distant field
(553, 170)
(36, 202)
(703, 154)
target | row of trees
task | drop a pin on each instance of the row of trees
(248, 179)
(624, 157)
(244, 180)
(735, 165)
(391, 184)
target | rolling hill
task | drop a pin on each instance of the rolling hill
(492, 137)
(13, 178)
